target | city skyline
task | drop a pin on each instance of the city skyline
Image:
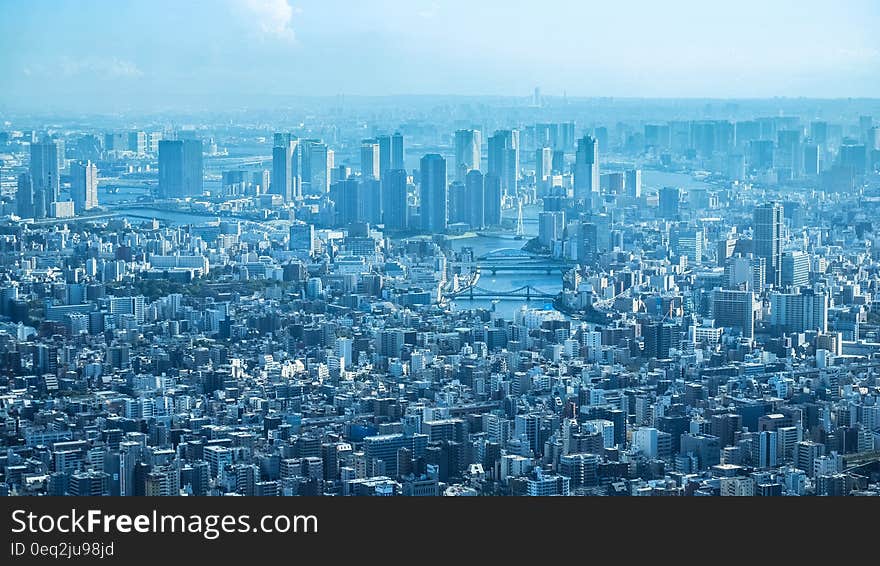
(209, 287)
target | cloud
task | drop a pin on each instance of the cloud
(273, 18)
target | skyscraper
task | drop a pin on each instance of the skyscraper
(476, 198)
(432, 187)
(633, 183)
(543, 168)
(84, 186)
(670, 200)
(285, 180)
(384, 142)
(24, 198)
(394, 184)
(586, 167)
(467, 152)
(369, 201)
(344, 195)
(370, 159)
(181, 171)
(398, 159)
(768, 239)
(458, 205)
(504, 159)
(492, 202)
(317, 161)
(44, 171)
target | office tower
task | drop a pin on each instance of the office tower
(566, 134)
(384, 142)
(659, 338)
(550, 227)
(492, 203)
(734, 309)
(789, 153)
(819, 132)
(688, 241)
(24, 198)
(633, 183)
(370, 200)
(370, 159)
(398, 158)
(44, 171)
(799, 312)
(670, 200)
(543, 168)
(458, 203)
(344, 195)
(768, 239)
(302, 238)
(181, 170)
(853, 157)
(761, 155)
(558, 161)
(587, 243)
(811, 159)
(475, 189)
(432, 191)
(317, 161)
(285, 181)
(137, 142)
(84, 186)
(795, 268)
(60, 152)
(504, 159)
(467, 152)
(394, 200)
(586, 168)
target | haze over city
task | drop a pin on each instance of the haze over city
(102, 55)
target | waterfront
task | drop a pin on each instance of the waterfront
(500, 282)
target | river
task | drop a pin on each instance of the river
(481, 244)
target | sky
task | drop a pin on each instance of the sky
(91, 54)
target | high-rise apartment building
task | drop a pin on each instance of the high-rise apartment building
(181, 170)
(768, 228)
(84, 186)
(432, 190)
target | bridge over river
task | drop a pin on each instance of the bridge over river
(515, 260)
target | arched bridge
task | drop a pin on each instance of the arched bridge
(526, 292)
